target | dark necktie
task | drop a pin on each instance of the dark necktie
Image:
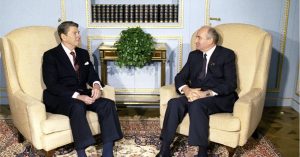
(203, 71)
(75, 61)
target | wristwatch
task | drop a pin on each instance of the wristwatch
(209, 93)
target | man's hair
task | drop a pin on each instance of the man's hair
(64, 27)
(212, 33)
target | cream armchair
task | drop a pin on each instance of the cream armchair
(252, 47)
(22, 51)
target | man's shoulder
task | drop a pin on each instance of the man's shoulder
(224, 49)
(195, 52)
(52, 52)
(225, 52)
(80, 50)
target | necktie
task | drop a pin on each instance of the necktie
(203, 71)
(75, 61)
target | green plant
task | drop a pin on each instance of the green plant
(134, 48)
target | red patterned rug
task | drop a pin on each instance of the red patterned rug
(141, 139)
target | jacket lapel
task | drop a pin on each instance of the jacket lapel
(212, 61)
(65, 59)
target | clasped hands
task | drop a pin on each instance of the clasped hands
(96, 93)
(193, 94)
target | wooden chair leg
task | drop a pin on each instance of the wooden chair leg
(21, 138)
(49, 153)
(231, 151)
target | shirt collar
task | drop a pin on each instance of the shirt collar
(210, 51)
(67, 50)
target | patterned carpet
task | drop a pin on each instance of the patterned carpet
(141, 140)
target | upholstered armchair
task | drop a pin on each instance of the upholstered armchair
(252, 47)
(22, 51)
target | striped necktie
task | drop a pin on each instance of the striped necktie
(75, 61)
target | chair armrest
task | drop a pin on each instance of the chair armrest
(166, 93)
(109, 92)
(248, 108)
(33, 112)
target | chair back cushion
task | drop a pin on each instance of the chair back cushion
(247, 41)
(28, 45)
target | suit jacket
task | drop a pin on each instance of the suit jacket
(220, 77)
(60, 77)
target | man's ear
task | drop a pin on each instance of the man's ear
(211, 41)
(63, 36)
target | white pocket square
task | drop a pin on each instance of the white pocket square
(86, 63)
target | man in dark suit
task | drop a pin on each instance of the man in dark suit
(67, 70)
(207, 81)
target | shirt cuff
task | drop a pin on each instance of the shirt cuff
(98, 82)
(180, 89)
(75, 95)
(214, 93)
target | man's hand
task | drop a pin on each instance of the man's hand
(193, 94)
(96, 92)
(188, 92)
(86, 99)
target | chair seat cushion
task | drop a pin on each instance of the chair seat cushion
(224, 121)
(58, 122)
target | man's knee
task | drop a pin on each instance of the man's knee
(105, 103)
(175, 104)
(78, 108)
(196, 106)
(110, 102)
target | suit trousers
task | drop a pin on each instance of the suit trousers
(199, 111)
(76, 111)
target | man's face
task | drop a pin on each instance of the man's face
(72, 38)
(202, 42)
